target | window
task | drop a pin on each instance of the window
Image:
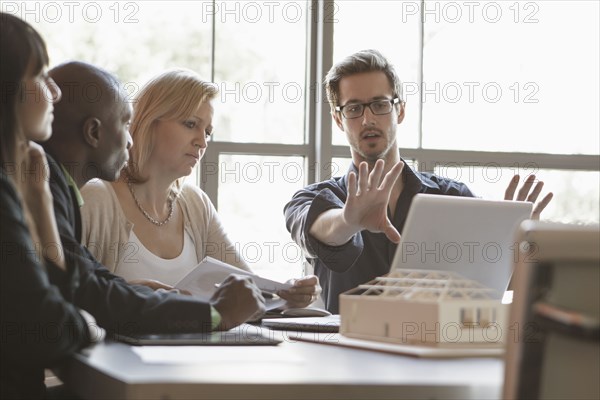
(377, 24)
(251, 187)
(485, 80)
(491, 87)
(511, 76)
(260, 67)
(576, 193)
(133, 39)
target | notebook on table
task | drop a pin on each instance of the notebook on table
(245, 335)
(327, 324)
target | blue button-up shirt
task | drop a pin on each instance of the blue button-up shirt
(367, 255)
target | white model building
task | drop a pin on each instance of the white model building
(423, 307)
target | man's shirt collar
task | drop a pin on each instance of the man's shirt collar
(411, 177)
(73, 185)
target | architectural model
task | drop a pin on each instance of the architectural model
(424, 307)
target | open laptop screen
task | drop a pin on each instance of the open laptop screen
(472, 237)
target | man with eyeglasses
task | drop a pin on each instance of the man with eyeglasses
(349, 226)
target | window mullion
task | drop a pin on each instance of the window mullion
(420, 74)
(208, 175)
(321, 60)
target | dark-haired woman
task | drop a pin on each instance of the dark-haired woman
(38, 325)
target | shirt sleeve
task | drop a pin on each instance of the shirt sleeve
(215, 317)
(33, 310)
(300, 214)
(98, 220)
(451, 187)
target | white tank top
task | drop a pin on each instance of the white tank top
(141, 263)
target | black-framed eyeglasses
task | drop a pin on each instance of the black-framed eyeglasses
(378, 107)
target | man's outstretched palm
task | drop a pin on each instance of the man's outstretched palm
(368, 199)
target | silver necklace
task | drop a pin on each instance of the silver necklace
(170, 203)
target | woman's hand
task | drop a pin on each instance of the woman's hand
(34, 178)
(34, 182)
(304, 292)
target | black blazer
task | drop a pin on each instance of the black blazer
(117, 305)
(38, 327)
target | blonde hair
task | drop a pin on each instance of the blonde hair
(172, 95)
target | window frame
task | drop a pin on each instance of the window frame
(318, 150)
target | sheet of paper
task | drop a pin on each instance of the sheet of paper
(206, 355)
(202, 279)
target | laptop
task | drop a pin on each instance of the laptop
(469, 236)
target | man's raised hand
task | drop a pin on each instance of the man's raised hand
(524, 195)
(368, 199)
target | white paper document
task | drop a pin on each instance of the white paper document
(201, 281)
(207, 355)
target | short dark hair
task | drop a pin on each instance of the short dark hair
(359, 62)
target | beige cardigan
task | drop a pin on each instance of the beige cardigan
(106, 230)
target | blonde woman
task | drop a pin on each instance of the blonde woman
(149, 227)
